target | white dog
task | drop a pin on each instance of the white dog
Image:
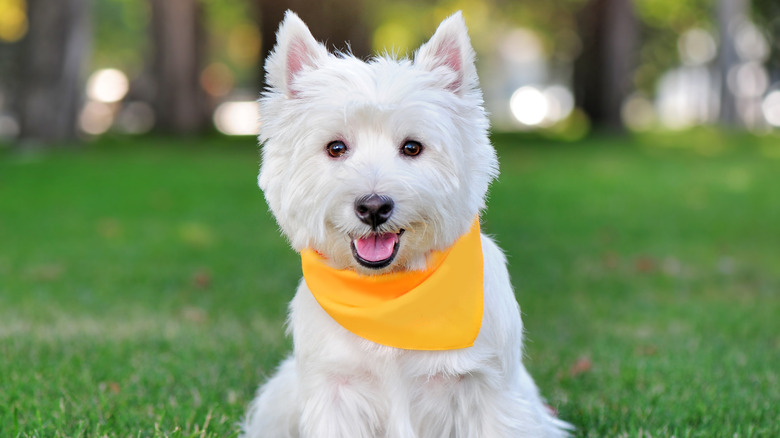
(376, 173)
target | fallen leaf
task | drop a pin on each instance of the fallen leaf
(202, 279)
(113, 387)
(646, 264)
(582, 366)
(194, 314)
(647, 350)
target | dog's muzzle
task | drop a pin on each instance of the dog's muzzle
(376, 250)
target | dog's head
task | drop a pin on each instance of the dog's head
(374, 165)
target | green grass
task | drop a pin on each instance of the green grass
(143, 284)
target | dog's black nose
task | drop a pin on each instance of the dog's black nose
(374, 209)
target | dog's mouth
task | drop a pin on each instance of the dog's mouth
(376, 251)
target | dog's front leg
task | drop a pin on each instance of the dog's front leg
(478, 404)
(489, 405)
(339, 406)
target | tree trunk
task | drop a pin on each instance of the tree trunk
(767, 12)
(337, 23)
(729, 13)
(53, 58)
(180, 103)
(603, 73)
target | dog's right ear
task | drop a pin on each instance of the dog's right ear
(295, 50)
(449, 49)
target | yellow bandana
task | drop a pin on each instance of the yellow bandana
(436, 309)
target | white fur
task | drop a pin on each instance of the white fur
(337, 384)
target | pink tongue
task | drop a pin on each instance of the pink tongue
(375, 248)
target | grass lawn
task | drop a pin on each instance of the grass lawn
(143, 284)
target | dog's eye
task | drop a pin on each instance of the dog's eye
(336, 149)
(411, 148)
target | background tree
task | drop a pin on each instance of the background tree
(767, 13)
(53, 56)
(178, 43)
(331, 21)
(729, 12)
(604, 70)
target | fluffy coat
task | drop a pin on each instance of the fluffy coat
(336, 384)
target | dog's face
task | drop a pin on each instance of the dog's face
(374, 165)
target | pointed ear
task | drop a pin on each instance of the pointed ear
(450, 47)
(295, 50)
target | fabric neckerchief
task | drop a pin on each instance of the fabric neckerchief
(436, 309)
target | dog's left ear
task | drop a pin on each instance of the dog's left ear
(450, 49)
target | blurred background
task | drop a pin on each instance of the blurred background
(144, 284)
(77, 69)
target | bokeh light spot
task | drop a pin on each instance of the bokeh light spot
(107, 85)
(217, 79)
(135, 118)
(529, 105)
(638, 113)
(13, 20)
(237, 118)
(96, 117)
(771, 108)
(696, 47)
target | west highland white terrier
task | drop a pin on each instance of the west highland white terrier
(405, 323)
